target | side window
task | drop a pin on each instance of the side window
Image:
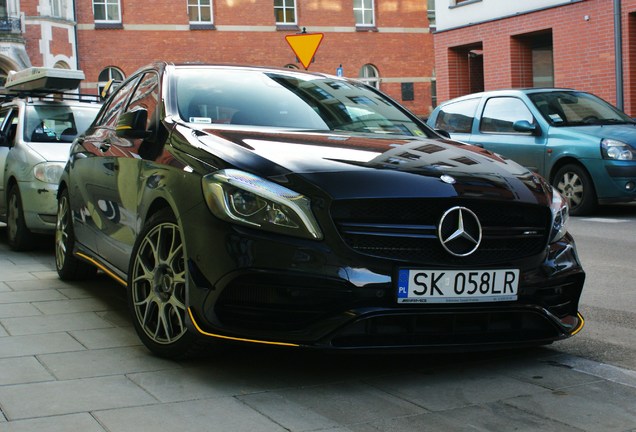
(457, 117)
(9, 124)
(500, 113)
(116, 104)
(147, 97)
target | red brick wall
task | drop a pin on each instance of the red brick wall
(583, 50)
(397, 55)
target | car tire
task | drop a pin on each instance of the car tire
(67, 265)
(576, 185)
(19, 237)
(157, 289)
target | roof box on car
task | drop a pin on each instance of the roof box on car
(44, 79)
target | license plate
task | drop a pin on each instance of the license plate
(452, 286)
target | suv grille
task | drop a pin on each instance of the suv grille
(406, 229)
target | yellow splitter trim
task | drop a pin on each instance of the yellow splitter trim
(203, 332)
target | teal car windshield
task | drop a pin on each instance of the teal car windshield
(247, 97)
(571, 108)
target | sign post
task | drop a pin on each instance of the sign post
(304, 46)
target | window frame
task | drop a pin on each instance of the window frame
(198, 6)
(371, 80)
(105, 4)
(362, 9)
(284, 8)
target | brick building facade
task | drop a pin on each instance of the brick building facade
(576, 38)
(387, 42)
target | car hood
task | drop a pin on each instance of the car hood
(51, 152)
(348, 166)
(622, 132)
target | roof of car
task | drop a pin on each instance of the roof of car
(229, 66)
(509, 91)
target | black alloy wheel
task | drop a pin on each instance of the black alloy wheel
(19, 237)
(576, 185)
(67, 265)
(157, 289)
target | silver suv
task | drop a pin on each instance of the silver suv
(35, 137)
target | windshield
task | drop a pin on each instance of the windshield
(57, 123)
(287, 100)
(570, 108)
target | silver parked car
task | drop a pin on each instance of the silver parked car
(35, 136)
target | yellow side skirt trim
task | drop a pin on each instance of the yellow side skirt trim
(200, 330)
(101, 267)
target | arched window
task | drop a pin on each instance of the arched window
(61, 65)
(369, 74)
(107, 74)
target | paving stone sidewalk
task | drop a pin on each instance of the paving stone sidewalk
(70, 361)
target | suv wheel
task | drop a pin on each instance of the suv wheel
(68, 266)
(157, 289)
(20, 238)
(576, 185)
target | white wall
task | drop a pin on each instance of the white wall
(449, 16)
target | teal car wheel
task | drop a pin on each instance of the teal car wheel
(576, 185)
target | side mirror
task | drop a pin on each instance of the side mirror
(443, 133)
(526, 127)
(132, 124)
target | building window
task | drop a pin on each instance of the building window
(200, 11)
(58, 8)
(107, 11)
(285, 11)
(363, 12)
(107, 74)
(369, 74)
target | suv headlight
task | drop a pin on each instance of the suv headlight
(617, 150)
(241, 197)
(560, 216)
(49, 172)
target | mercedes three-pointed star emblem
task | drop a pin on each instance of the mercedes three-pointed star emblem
(459, 231)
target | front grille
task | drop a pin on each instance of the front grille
(448, 329)
(280, 302)
(406, 229)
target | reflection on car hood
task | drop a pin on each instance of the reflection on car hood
(385, 165)
(52, 152)
(622, 132)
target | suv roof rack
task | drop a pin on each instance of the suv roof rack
(50, 84)
(44, 79)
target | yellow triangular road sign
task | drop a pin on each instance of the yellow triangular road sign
(304, 46)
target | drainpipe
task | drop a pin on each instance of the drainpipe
(618, 53)
(77, 62)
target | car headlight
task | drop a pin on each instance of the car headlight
(48, 172)
(617, 150)
(560, 216)
(241, 197)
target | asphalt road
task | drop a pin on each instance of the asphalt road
(606, 243)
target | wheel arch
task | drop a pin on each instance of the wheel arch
(568, 160)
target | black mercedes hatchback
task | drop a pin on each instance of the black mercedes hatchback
(289, 208)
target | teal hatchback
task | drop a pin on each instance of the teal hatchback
(583, 145)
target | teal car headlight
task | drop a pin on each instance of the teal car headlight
(560, 216)
(617, 150)
(243, 198)
(49, 172)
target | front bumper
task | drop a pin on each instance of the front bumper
(39, 204)
(271, 289)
